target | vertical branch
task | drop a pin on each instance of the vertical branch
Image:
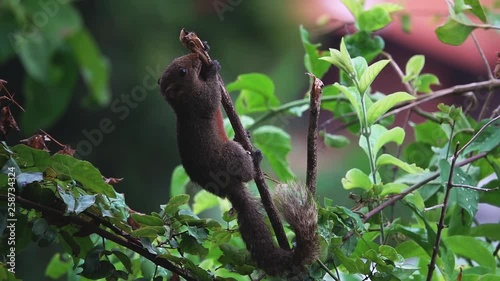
(449, 186)
(312, 136)
(191, 41)
(490, 76)
(483, 56)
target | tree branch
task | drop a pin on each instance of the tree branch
(459, 89)
(103, 233)
(416, 186)
(312, 136)
(440, 226)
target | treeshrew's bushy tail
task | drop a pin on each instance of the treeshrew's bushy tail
(298, 208)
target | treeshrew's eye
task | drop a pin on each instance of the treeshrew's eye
(182, 72)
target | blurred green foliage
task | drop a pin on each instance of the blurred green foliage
(89, 73)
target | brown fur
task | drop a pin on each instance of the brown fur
(222, 167)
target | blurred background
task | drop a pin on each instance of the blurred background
(140, 38)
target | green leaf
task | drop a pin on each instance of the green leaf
(354, 6)
(93, 66)
(311, 58)
(355, 178)
(76, 204)
(396, 134)
(386, 159)
(471, 248)
(490, 231)
(381, 106)
(178, 181)
(34, 54)
(7, 25)
(24, 179)
(151, 232)
(47, 100)
(364, 44)
(176, 201)
(332, 106)
(389, 7)
(191, 246)
(431, 133)
(335, 58)
(234, 254)
(379, 137)
(424, 81)
(198, 233)
(453, 32)
(84, 202)
(486, 141)
(246, 121)
(30, 159)
(275, 145)
(42, 233)
(59, 265)
(83, 172)
(98, 270)
(370, 74)
(256, 93)
(406, 23)
(360, 65)
(477, 9)
(459, 6)
(419, 153)
(353, 96)
(36, 48)
(373, 19)
(389, 252)
(204, 200)
(346, 57)
(393, 188)
(147, 220)
(348, 263)
(466, 198)
(124, 259)
(337, 141)
(413, 67)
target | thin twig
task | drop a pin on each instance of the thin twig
(325, 268)
(490, 76)
(477, 134)
(483, 26)
(416, 186)
(440, 226)
(53, 139)
(483, 56)
(11, 97)
(410, 90)
(433, 207)
(87, 225)
(497, 248)
(459, 89)
(312, 136)
(474, 187)
(296, 103)
(191, 41)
